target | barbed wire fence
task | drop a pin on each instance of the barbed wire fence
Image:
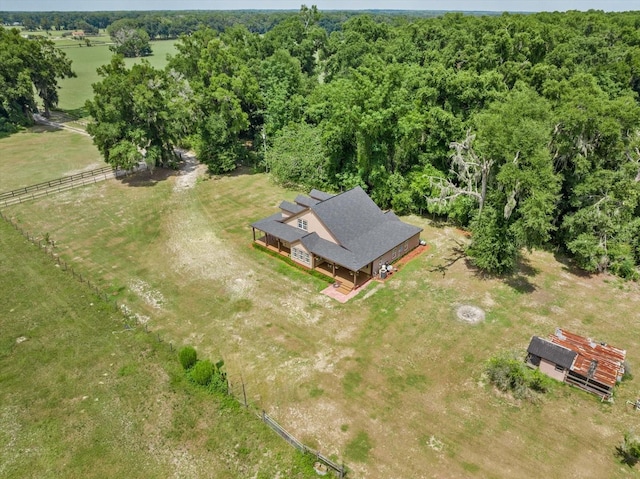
(236, 387)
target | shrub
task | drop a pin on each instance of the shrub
(509, 373)
(187, 357)
(629, 450)
(202, 372)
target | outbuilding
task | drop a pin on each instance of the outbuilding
(593, 366)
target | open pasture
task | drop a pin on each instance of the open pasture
(82, 396)
(391, 381)
(74, 92)
(41, 153)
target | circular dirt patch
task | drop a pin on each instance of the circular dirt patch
(470, 314)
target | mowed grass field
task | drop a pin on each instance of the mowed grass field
(74, 92)
(42, 153)
(82, 396)
(390, 382)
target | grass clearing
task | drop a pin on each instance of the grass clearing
(83, 397)
(40, 153)
(395, 365)
(74, 92)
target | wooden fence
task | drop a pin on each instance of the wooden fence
(64, 183)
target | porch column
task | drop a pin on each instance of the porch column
(333, 266)
(278, 245)
(254, 234)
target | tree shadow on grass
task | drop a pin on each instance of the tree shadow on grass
(148, 178)
(626, 458)
(457, 253)
(518, 280)
(570, 266)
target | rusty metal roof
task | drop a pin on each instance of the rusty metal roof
(596, 360)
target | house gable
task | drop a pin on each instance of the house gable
(309, 222)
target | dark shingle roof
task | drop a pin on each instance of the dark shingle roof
(551, 352)
(274, 226)
(329, 250)
(363, 231)
(361, 227)
(320, 195)
(349, 215)
(291, 207)
(306, 201)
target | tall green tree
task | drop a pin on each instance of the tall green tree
(523, 187)
(297, 157)
(27, 66)
(138, 114)
(226, 94)
(129, 40)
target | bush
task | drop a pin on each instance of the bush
(509, 373)
(629, 450)
(202, 372)
(187, 357)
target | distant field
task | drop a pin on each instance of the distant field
(40, 153)
(390, 382)
(74, 92)
(82, 396)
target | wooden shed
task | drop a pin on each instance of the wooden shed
(593, 366)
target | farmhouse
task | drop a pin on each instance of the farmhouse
(77, 35)
(345, 236)
(593, 366)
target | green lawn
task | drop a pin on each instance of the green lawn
(74, 92)
(82, 396)
(391, 381)
(40, 153)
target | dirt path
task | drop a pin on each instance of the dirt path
(44, 121)
(190, 170)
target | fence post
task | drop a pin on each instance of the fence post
(244, 392)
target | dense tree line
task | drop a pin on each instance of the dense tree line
(523, 128)
(172, 24)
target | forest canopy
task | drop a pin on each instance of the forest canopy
(525, 129)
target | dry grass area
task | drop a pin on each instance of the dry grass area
(391, 382)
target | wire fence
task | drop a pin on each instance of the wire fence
(236, 389)
(338, 469)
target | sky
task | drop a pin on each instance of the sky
(451, 5)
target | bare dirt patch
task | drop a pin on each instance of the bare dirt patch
(470, 314)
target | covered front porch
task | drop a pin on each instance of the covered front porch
(274, 244)
(346, 279)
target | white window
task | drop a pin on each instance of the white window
(559, 368)
(393, 254)
(302, 224)
(301, 256)
(406, 246)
